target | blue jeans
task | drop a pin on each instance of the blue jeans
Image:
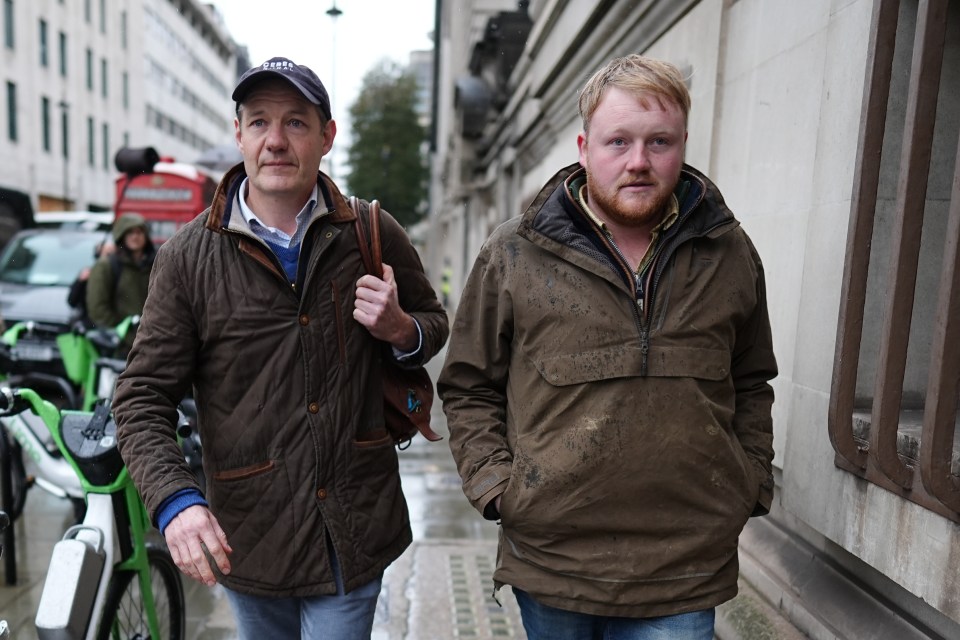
(337, 617)
(547, 623)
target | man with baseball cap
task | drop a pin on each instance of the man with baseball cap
(303, 78)
(262, 304)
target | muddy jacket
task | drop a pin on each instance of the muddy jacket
(627, 426)
(288, 392)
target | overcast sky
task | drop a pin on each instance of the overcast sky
(340, 51)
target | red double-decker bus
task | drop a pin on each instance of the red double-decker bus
(168, 194)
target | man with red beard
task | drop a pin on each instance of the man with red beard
(607, 380)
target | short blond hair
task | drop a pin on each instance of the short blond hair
(639, 76)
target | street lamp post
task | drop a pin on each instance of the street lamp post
(65, 132)
(334, 13)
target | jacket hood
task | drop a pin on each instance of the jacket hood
(126, 222)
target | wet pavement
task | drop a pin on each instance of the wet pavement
(438, 590)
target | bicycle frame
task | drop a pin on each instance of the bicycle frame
(87, 376)
(117, 518)
(54, 474)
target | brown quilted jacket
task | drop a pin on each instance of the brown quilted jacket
(287, 387)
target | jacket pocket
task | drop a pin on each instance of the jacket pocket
(373, 439)
(255, 506)
(242, 473)
(625, 362)
(751, 486)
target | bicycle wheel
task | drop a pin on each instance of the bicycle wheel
(15, 485)
(124, 613)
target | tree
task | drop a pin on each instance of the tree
(386, 150)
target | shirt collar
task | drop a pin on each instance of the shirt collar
(254, 222)
(671, 215)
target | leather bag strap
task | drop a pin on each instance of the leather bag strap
(370, 250)
(375, 245)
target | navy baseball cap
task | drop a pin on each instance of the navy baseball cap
(301, 77)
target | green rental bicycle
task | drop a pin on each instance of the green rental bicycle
(105, 578)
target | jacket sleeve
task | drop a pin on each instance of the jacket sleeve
(473, 382)
(100, 304)
(158, 374)
(753, 366)
(414, 292)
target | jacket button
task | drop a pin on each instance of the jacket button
(304, 320)
(322, 494)
(313, 408)
(329, 234)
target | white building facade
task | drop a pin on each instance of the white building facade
(82, 78)
(831, 127)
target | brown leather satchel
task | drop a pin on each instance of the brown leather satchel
(407, 393)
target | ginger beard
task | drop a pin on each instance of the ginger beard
(628, 209)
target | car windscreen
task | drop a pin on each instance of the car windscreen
(48, 259)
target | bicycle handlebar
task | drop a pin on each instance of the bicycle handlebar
(11, 402)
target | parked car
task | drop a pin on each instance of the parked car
(37, 268)
(90, 220)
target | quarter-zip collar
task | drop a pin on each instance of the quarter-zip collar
(556, 222)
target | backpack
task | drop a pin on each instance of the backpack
(77, 297)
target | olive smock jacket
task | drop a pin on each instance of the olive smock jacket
(629, 433)
(287, 386)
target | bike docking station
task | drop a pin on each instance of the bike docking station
(108, 575)
(73, 583)
(86, 373)
(105, 578)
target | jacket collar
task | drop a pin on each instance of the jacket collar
(702, 208)
(225, 198)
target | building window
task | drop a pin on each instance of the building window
(106, 146)
(86, 11)
(45, 123)
(123, 30)
(8, 23)
(103, 77)
(90, 69)
(91, 144)
(125, 78)
(63, 54)
(103, 16)
(64, 130)
(893, 401)
(11, 112)
(44, 45)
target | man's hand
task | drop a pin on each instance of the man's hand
(378, 309)
(193, 529)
